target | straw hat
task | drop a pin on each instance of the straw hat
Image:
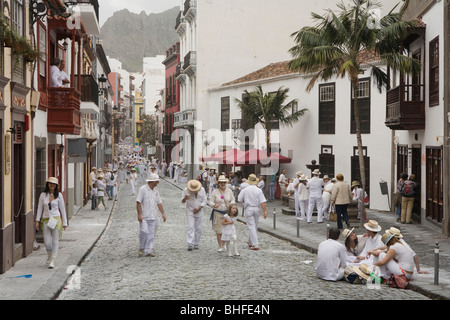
(222, 178)
(316, 172)
(53, 180)
(153, 178)
(372, 225)
(299, 173)
(252, 179)
(194, 185)
(100, 176)
(326, 177)
(386, 237)
(355, 183)
(363, 271)
(395, 232)
(347, 232)
(302, 177)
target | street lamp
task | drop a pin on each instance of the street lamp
(39, 9)
(102, 84)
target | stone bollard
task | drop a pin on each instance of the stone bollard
(274, 218)
(436, 264)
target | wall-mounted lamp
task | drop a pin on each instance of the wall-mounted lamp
(12, 130)
(102, 84)
(33, 111)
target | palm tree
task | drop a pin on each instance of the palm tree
(336, 45)
(268, 108)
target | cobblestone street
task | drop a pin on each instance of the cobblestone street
(279, 271)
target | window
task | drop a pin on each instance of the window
(42, 66)
(225, 114)
(363, 94)
(327, 109)
(434, 72)
(355, 168)
(18, 65)
(326, 161)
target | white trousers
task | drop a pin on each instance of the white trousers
(303, 209)
(389, 268)
(252, 217)
(313, 201)
(51, 239)
(147, 235)
(194, 229)
(133, 186)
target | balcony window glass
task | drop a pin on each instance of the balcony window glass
(434, 72)
(327, 109)
(18, 65)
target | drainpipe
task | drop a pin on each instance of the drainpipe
(446, 149)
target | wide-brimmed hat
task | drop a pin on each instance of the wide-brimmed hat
(386, 237)
(316, 172)
(94, 168)
(100, 176)
(299, 173)
(355, 183)
(347, 232)
(372, 225)
(53, 180)
(194, 185)
(326, 177)
(153, 178)
(302, 177)
(252, 179)
(222, 178)
(363, 271)
(396, 232)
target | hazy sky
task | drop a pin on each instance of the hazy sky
(108, 7)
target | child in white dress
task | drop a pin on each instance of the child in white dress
(229, 237)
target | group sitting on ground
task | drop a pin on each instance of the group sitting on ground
(370, 256)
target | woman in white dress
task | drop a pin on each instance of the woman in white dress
(51, 209)
(133, 181)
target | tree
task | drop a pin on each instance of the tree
(149, 130)
(336, 45)
(267, 108)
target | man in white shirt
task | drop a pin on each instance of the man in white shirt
(195, 198)
(283, 182)
(148, 203)
(55, 74)
(253, 199)
(315, 185)
(295, 184)
(63, 78)
(330, 262)
(373, 242)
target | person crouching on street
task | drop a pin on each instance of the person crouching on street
(194, 195)
(148, 203)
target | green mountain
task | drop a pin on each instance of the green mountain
(129, 37)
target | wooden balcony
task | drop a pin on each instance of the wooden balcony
(63, 112)
(405, 107)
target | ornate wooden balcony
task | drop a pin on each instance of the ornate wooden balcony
(405, 107)
(63, 113)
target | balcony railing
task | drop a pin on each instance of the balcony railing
(89, 89)
(63, 113)
(405, 107)
(190, 63)
(90, 129)
(184, 118)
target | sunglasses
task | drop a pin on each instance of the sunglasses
(49, 206)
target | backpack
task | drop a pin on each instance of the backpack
(408, 189)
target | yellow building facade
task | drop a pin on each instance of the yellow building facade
(138, 111)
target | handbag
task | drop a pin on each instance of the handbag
(52, 222)
(398, 281)
(333, 215)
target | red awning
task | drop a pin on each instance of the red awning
(229, 157)
(257, 156)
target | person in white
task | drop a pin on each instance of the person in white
(295, 185)
(111, 179)
(354, 245)
(261, 184)
(133, 181)
(142, 172)
(50, 209)
(254, 200)
(331, 258)
(212, 181)
(55, 74)
(398, 260)
(63, 77)
(163, 168)
(357, 193)
(326, 196)
(315, 185)
(283, 181)
(171, 169)
(194, 196)
(101, 189)
(148, 202)
(303, 198)
(92, 176)
(373, 242)
(229, 237)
